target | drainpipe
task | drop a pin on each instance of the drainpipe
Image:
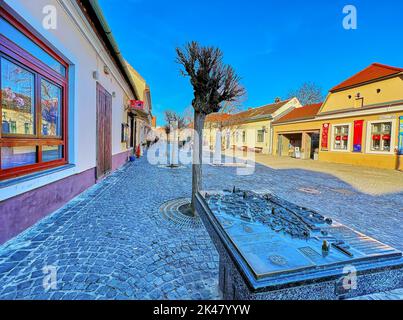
(98, 11)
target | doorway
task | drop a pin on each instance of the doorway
(104, 130)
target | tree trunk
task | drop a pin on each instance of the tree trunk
(197, 156)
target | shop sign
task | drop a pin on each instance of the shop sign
(400, 147)
(358, 127)
(325, 136)
(137, 104)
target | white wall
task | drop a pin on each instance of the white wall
(76, 41)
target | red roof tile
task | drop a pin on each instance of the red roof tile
(217, 117)
(306, 112)
(256, 113)
(373, 72)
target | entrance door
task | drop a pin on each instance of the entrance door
(104, 130)
(315, 137)
(280, 145)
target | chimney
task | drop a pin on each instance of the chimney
(277, 100)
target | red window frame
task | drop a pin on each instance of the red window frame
(18, 56)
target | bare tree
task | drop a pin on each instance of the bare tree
(214, 83)
(170, 117)
(307, 93)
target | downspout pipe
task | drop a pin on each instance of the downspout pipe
(107, 30)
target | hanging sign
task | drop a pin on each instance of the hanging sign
(137, 104)
(325, 136)
(358, 126)
(400, 146)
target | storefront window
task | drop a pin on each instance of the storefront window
(17, 93)
(340, 137)
(51, 107)
(32, 106)
(51, 153)
(12, 157)
(381, 134)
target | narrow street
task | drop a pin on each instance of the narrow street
(112, 242)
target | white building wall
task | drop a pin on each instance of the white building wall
(77, 43)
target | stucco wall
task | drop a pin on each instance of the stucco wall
(77, 43)
(391, 90)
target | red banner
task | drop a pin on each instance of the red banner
(325, 135)
(358, 126)
(137, 104)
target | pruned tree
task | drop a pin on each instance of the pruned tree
(214, 84)
(307, 93)
(170, 117)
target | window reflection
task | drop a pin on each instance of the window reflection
(51, 107)
(50, 153)
(17, 92)
(12, 157)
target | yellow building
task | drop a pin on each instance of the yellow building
(142, 120)
(249, 130)
(360, 122)
(296, 134)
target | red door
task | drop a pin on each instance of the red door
(104, 130)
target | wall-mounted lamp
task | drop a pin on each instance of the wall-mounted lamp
(113, 94)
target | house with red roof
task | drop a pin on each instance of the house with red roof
(296, 134)
(247, 130)
(359, 123)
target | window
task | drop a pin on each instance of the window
(380, 136)
(260, 136)
(33, 104)
(51, 97)
(243, 136)
(341, 137)
(17, 88)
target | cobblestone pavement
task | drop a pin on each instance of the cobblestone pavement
(112, 242)
(366, 180)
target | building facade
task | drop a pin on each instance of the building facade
(141, 117)
(297, 134)
(248, 130)
(360, 122)
(65, 107)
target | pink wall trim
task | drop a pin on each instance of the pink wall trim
(22, 211)
(119, 159)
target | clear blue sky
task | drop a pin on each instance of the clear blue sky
(273, 45)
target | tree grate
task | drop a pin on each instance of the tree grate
(171, 213)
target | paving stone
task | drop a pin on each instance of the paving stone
(112, 242)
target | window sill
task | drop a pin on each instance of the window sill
(32, 176)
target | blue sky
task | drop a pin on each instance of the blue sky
(273, 45)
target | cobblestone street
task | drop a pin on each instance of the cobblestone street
(112, 242)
